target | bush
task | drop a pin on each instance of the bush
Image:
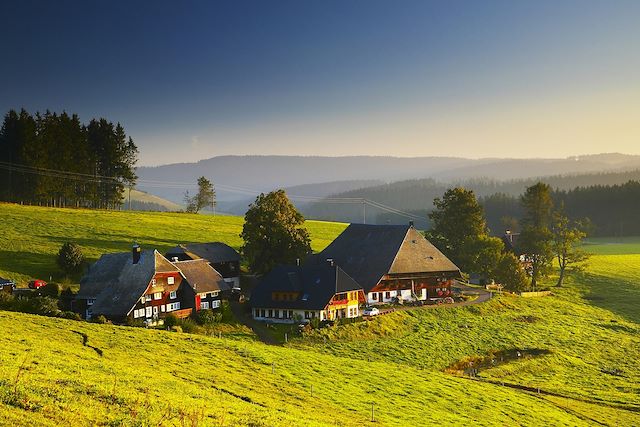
(189, 326)
(99, 319)
(171, 320)
(51, 290)
(70, 258)
(207, 317)
(70, 315)
(176, 329)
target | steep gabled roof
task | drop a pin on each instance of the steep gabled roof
(117, 283)
(214, 252)
(314, 284)
(201, 276)
(369, 252)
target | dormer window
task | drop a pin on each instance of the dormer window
(305, 297)
(170, 280)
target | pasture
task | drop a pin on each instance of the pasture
(568, 359)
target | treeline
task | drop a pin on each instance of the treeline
(53, 159)
(613, 210)
(416, 196)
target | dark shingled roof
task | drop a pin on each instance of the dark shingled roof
(315, 284)
(117, 283)
(369, 252)
(4, 282)
(201, 276)
(214, 252)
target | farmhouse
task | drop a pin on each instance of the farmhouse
(222, 257)
(391, 262)
(144, 285)
(206, 283)
(290, 293)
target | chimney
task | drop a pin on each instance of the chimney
(411, 223)
(175, 259)
(330, 262)
(136, 251)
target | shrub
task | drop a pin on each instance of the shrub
(171, 320)
(51, 290)
(70, 315)
(189, 326)
(99, 319)
(176, 329)
(207, 317)
(70, 258)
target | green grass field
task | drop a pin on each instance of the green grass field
(32, 236)
(132, 376)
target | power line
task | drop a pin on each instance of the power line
(85, 177)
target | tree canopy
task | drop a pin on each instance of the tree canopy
(205, 197)
(273, 233)
(55, 160)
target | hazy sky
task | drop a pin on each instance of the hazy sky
(192, 80)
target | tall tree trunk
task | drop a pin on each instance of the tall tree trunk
(561, 277)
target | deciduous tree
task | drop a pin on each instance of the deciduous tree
(273, 233)
(536, 237)
(567, 236)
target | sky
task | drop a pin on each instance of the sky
(195, 79)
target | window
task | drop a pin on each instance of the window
(163, 308)
(149, 311)
(170, 280)
(256, 313)
(90, 301)
(277, 314)
(290, 314)
(215, 304)
(387, 295)
(172, 295)
(155, 310)
(306, 315)
(147, 298)
(204, 305)
(270, 313)
(374, 296)
(215, 294)
(157, 295)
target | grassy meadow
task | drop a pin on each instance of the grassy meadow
(32, 236)
(579, 347)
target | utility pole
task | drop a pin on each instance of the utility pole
(364, 211)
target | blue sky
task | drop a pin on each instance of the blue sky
(192, 80)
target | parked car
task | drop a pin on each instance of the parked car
(371, 311)
(37, 284)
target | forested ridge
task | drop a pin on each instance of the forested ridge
(53, 159)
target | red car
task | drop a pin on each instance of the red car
(37, 284)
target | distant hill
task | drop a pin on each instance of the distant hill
(264, 173)
(142, 201)
(417, 195)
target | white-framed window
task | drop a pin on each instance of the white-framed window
(163, 308)
(204, 305)
(215, 304)
(90, 301)
(172, 295)
(157, 295)
(155, 310)
(147, 298)
(215, 294)
(148, 311)
(170, 280)
(135, 313)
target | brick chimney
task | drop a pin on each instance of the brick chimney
(136, 251)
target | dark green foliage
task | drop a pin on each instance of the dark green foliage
(54, 160)
(207, 317)
(510, 274)
(70, 258)
(536, 236)
(99, 319)
(51, 290)
(206, 197)
(70, 315)
(171, 320)
(43, 305)
(273, 233)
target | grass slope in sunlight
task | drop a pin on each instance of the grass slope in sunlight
(32, 236)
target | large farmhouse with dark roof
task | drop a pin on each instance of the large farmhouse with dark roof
(391, 261)
(222, 257)
(144, 285)
(291, 292)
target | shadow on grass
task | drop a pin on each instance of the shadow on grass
(616, 295)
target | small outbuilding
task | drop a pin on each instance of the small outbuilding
(7, 286)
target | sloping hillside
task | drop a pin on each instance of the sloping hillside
(32, 236)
